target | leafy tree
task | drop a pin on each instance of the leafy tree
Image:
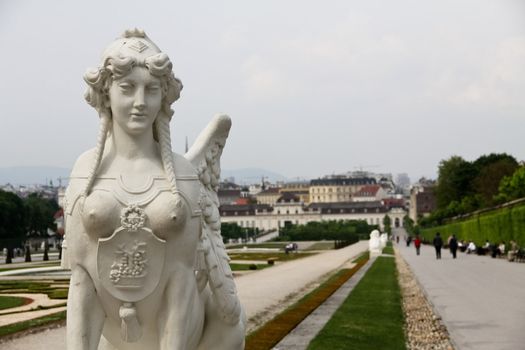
(455, 177)
(234, 231)
(491, 170)
(464, 187)
(12, 222)
(492, 158)
(231, 231)
(40, 213)
(408, 224)
(387, 222)
(512, 187)
(341, 230)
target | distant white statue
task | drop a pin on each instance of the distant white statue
(374, 243)
(383, 239)
(149, 268)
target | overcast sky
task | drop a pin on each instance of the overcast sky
(313, 87)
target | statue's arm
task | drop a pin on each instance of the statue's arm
(74, 192)
(85, 313)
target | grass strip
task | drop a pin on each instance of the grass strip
(246, 267)
(55, 292)
(279, 245)
(388, 250)
(38, 308)
(37, 322)
(273, 331)
(9, 302)
(322, 246)
(371, 317)
(363, 257)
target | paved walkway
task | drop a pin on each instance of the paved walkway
(481, 300)
(260, 292)
(267, 288)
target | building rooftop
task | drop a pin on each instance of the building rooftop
(367, 191)
(343, 181)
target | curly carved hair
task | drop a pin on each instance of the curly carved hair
(116, 66)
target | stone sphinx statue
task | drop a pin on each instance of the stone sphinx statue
(383, 239)
(143, 241)
(374, 244)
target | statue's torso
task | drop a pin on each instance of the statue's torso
(104, 209)
(139, 235)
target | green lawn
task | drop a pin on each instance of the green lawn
(371, 317)
(21, 326)
(279, 245)
(57, 291)
(364, 257)
(265, 256)
(245, 267)
(388, 250)
(321, 246)
(8, 302)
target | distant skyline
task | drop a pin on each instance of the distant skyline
(312, 88)
(34, 175)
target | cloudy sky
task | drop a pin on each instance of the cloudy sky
(313, 87)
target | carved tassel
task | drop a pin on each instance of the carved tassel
(200, 263)
(130, 329)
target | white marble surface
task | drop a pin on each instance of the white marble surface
(148, 266)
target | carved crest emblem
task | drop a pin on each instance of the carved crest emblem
(138, 46)
(130, 262)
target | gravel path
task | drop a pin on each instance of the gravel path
(424, 329)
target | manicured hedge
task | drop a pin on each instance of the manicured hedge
(503, 224)
(340, 230)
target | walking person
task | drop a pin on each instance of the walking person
(417, 244)
(453, 245)
(438, 243)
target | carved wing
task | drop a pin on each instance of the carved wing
(212, 262)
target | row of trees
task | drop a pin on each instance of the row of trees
(464, 186)
(234, 231)
(21, 219)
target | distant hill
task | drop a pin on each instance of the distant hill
(30, 175)
(247, 176)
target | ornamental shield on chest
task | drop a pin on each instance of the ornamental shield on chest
(130, 262)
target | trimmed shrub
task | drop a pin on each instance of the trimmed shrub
(502, 224)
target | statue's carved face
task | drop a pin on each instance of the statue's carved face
(135, 101)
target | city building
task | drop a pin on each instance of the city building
(288, 210)
(422, 201)
(369, 193)
(300, 189)
(337, 189)
(268, 196)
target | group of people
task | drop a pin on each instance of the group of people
(438, 245)
(470, 247)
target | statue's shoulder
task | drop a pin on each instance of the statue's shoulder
(83, 164)
(78, 178)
